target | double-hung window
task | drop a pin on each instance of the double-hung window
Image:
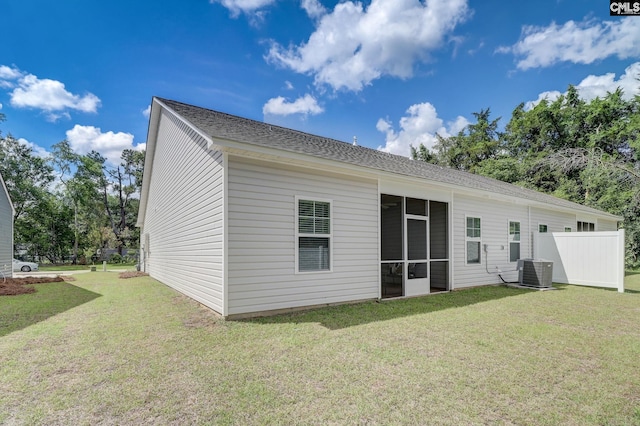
(313, 235)
(474, 240)
(514, 241)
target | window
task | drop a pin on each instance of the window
(416, 207)
(474, 242)
(314, 235)
(567, 229)
(514, 241)
(586, 226)
(542, 228)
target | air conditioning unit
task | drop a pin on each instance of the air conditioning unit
(535, 273)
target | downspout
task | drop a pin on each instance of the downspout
(529, 231)
(379, 202)
(451, 251)
(225, 234)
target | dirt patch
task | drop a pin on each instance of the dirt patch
(15, 286)
(132, 274)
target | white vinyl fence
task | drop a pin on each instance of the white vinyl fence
(584, 258)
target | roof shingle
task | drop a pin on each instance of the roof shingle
(220, 125)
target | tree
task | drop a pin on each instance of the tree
(586, 152)
(583, 151)
(422, 153)
(472, 145)
(27, 176)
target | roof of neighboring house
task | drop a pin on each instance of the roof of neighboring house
(221, 126)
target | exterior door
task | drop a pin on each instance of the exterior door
(417, 240)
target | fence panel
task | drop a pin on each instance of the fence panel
(584, 258)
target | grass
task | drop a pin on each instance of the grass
(102, 350)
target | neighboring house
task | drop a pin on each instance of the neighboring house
(247, 217)
(6, 231)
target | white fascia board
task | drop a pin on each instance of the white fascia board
(150, 149)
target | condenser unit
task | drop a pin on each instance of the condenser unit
(535, 273)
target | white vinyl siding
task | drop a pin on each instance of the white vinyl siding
(495, 216)
(554, 221)
(183, 228)
(262, 237)
(607, 225)
(6, 233)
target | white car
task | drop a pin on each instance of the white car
(20, 266)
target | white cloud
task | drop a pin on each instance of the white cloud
(577, 42)
(8, 73)
(352, 45)
(243, 6)
(313, 8)
(147, 111)
(597, 86)
(594, 86)
(84, 139)
(304, 105)
(50, 96)
(288, 85)
(420, 126)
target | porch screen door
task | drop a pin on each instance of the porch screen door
(417, 238)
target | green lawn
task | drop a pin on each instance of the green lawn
(101, 350)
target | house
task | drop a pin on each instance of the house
(250, 218)
(6, 231)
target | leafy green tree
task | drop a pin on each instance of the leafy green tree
(422, 153)
(27, 176)
(584, 151)
(474, 144)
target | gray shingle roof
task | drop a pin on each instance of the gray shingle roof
(219, 125)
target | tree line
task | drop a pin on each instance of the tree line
(71, 207)
(583, 151)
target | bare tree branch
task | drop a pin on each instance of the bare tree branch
(579, 158)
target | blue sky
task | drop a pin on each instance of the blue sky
(390, 72)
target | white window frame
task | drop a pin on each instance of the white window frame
(545, 225)
(298, 234)
(568, 229)
(509, 240)
(468, 239)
